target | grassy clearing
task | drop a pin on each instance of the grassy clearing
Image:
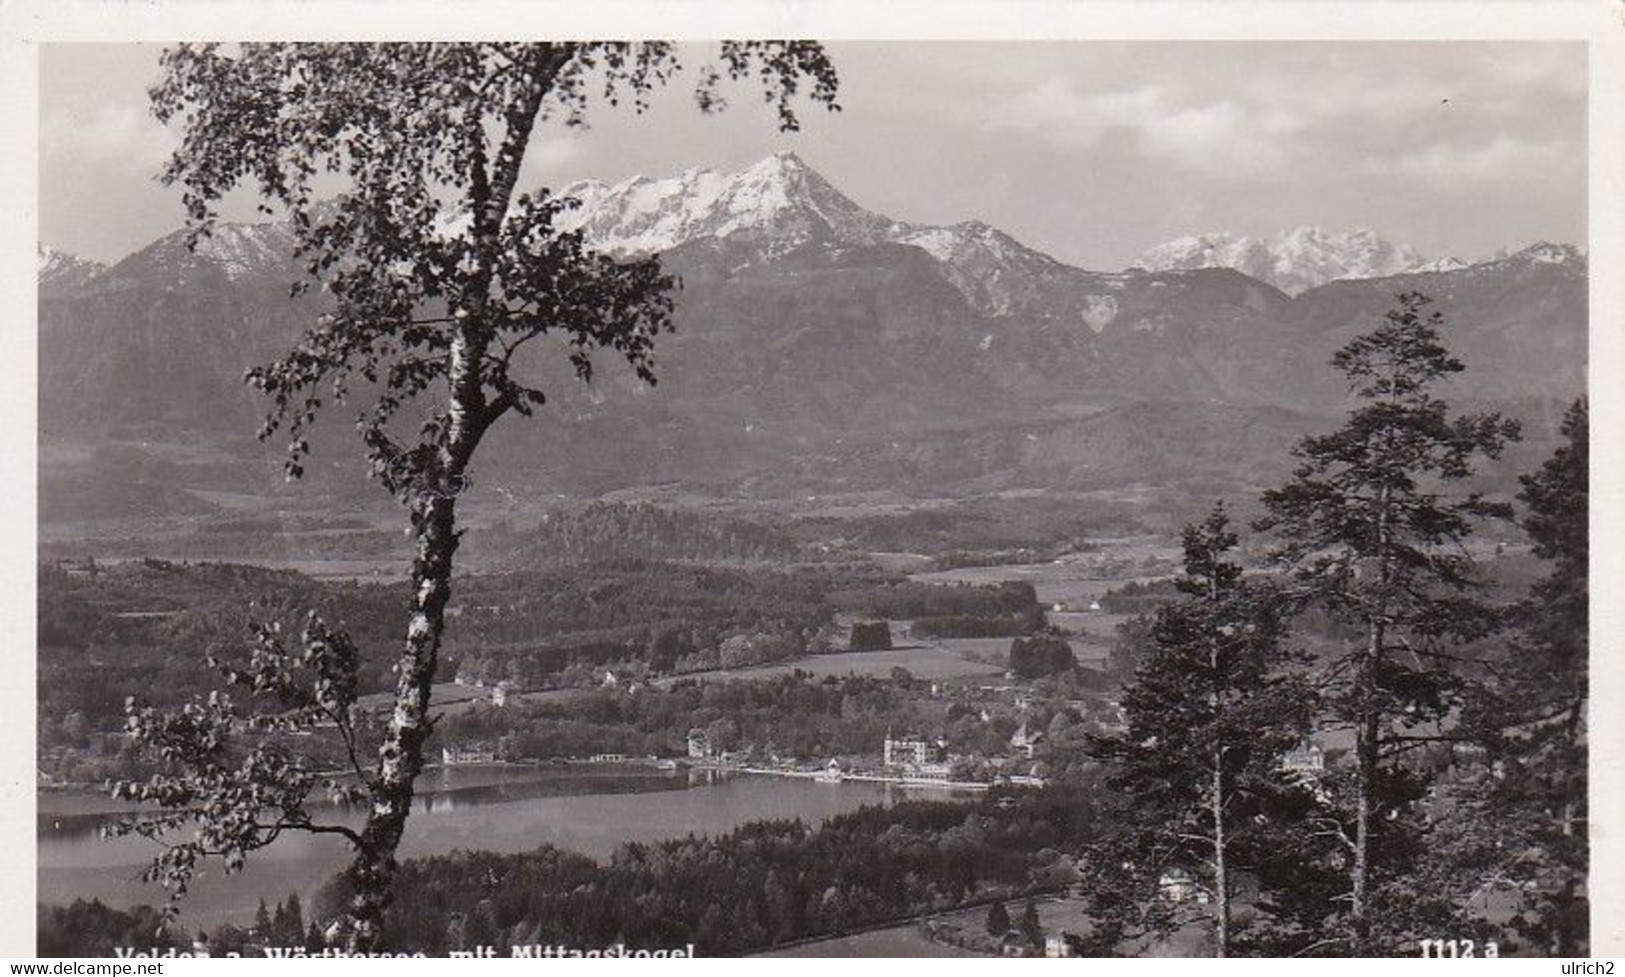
(899, 941)
(925, 661)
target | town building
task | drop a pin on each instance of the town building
(1025, 741)
(907, 751)
(1177, 886)
(1306, 758)
(462, 756)
(699, 745)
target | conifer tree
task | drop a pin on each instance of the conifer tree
(998, 920)
(290, 922)
(1524, 810)
(1373, 540)
(1031, 927)
(1210, 713)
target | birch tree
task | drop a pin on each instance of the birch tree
(442, 275)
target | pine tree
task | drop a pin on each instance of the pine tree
(1031, 927)
(291, 928)
(998, 920)
(1211, 710)
(1374, 542)
(1526, 808)
(1556, 621)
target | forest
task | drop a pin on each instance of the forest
(763, 884)
(1364, 736)
(146, 627)
(1375, 741)
(564, 535)
(793, 715)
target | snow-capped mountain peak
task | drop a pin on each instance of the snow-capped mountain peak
(1294, 260)
(236, 251)
(996, 273)
(1440, 264)
(779, 202)
(244, 249)
(1213, 250)
(1547, 253)
(778, 205)
(956, 241)
(59, 269)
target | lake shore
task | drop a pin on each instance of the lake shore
(588, 820)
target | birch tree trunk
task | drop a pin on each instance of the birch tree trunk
(401, 756)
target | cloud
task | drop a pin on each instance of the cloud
(551, 151)
(1222, 135)
(1322, 100)
(1543, 70)
(1503, 158)
(1242, 112)
(105, 134)
(1209, 137)
(1057, 110)
(554, 150)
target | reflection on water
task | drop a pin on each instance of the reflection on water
(80, 815)
(441, 801)
(588, 810)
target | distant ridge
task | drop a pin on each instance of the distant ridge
(1294, 260)
(780, 206)
(821, 346)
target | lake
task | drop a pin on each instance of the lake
(592, 811)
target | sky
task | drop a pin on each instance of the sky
(1091, 151)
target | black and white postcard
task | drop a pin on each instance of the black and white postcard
(1098, 483)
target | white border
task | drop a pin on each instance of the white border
(26, 23)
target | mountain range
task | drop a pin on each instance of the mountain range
(785, 203)
(1297, 260)
(821, 346)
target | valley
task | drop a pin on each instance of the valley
(896, 513)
